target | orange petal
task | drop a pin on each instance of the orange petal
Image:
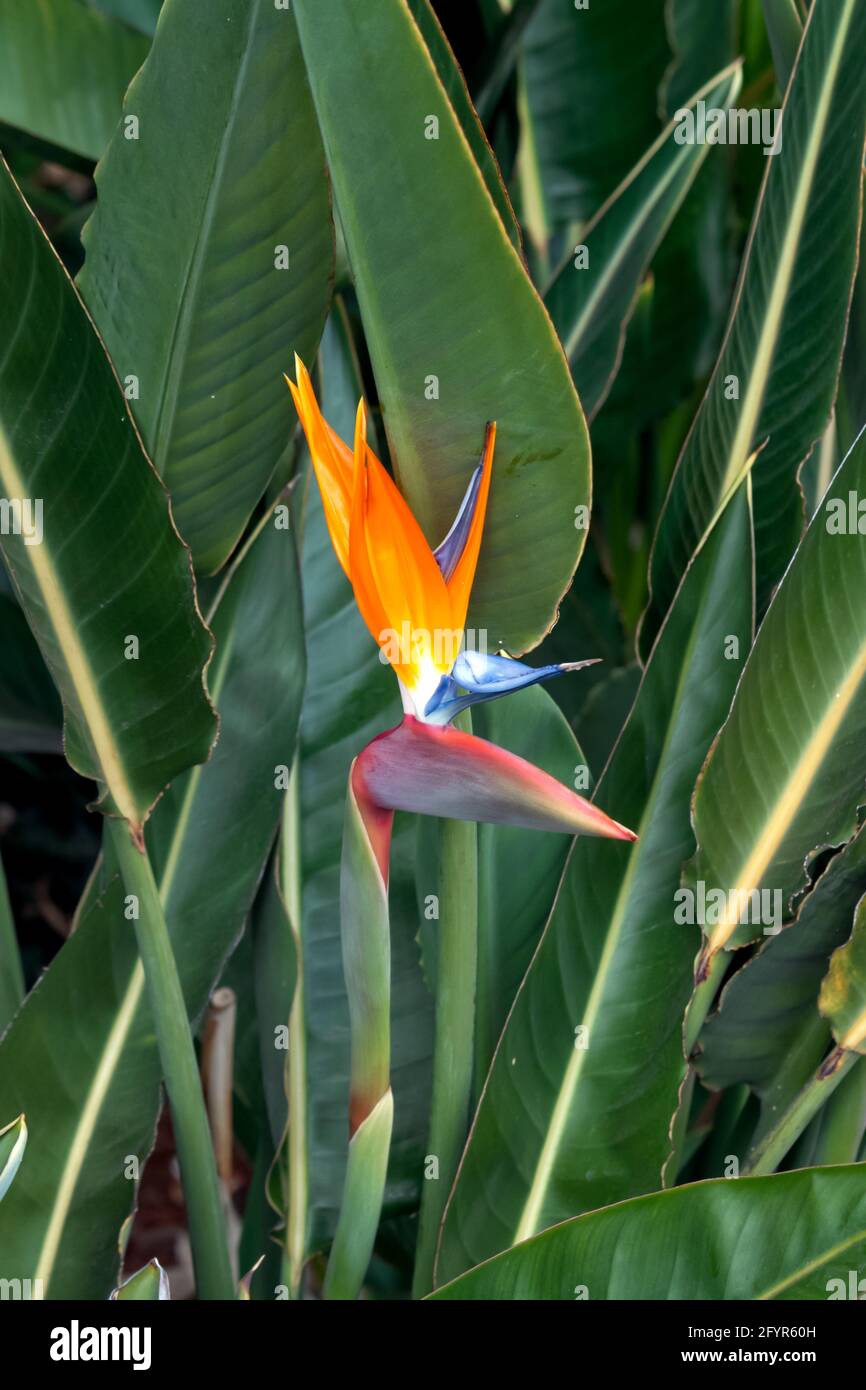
(460, 583)
(332, 461)
(408, 579)
(360, 569)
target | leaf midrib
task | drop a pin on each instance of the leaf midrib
(790, 799)
(771, 327)
(169, 390)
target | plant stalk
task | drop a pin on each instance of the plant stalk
(777, 1142)
(180, 1070)
(702, 1000)
(456, 974)
(294, 1251)
(844, 1121)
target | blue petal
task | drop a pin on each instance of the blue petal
(477, 676)
(448, 553)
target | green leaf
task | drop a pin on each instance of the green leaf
(275, 977)
(11, 974)
(698, 33)
(589, 626)
(13, 1142)
(785, 30)
(790, 1236)
(591, 303)
(63, 71)
(591, 97)
(107, 566)
(835, 1134)
(767, 1031)
(140, 14)
(456, 333)
(82, 1052)
(843, 992)
(455, 87)
(148, 1284)
(494, 67)
(605, 711)
(693, 272)
(518, 870)
(789, 308)
(366, 949)
(612, 975)
(200, 313)
(365, 1179)
(786, 775)
(30, 710)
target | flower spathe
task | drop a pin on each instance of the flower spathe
(414, 601)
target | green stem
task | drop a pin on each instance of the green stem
(802, 1059)
(296, 1066)
(702, 1000)
(365, 936)
(768, 1153)
(11, 974)
(845, 1120)
(179, 1067)
(455, 1018)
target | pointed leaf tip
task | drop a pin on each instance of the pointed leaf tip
(148, 1284)
(13, 1142)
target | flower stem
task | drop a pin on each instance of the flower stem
(180, 1070)
(455, 1030)
(295, 1250)
(776, 1143)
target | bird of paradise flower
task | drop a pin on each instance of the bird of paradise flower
(414, 601)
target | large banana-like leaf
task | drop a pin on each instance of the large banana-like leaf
(81, 1056)
(606, 991)
(790, 307)
(100, 571)
(579, 73)
(789, 769)
(63, 71)
(456, 332)
(767, 1031)
(790, 1236)
(591, 303)
(202, 311)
